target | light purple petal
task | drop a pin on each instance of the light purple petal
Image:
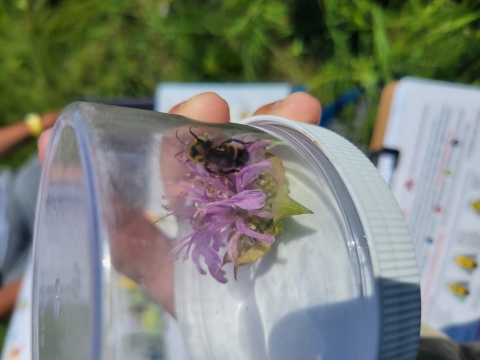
(219, 236)
(214, 263)
(198, 237)
(192, 169)
(250, 172)
(196, 169)
(250, 199)
(225, 214)
(220, 203)
(249, 232)
(196, 258)
(254, 147)
(212, 257)
(185, 239)
(195, 190)
(244, 138)
(181, 244)
(218, 274)
(218, 225)
(214, 213)
(223, 203)
(261, 213)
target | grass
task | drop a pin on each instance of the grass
(56, 51)
(3, 333)
(59, 50)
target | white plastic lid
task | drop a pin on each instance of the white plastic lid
(372, 210)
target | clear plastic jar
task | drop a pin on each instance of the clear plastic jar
(159, 237)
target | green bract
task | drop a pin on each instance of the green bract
(278, 203)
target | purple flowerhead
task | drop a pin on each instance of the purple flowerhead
(232, 210)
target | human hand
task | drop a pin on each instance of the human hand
(149, 264)
(48, 119)
(211, 108)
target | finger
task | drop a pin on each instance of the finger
(48, 119)
(266, 109)
(299, 106)
(42, 144)
(207, 107)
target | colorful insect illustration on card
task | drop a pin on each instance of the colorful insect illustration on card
(459, 289)
(467, 262)
(475, 206)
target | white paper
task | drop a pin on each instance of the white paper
(243, 99)
(436, 128)
(18, 343)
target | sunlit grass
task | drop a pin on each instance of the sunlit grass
(52, 52)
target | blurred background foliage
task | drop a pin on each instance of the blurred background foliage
(56, 51)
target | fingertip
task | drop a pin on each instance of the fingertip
(300, 107)
(267, 109)
(208, 107)
(176, 109)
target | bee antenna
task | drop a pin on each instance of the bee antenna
(191, 132)
(176, 134)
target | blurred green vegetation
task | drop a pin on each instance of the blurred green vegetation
(55, 51)
(3, 333)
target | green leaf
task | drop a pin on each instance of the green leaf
(277, 170)
(285, 206)
(251, 255)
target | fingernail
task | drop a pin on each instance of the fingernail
(277, 104)
(176, 109)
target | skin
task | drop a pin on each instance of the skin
(11, 136)
(211, 108)
(150, 264)
(8, 296)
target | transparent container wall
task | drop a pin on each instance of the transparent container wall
(65, 284)
(127, 194)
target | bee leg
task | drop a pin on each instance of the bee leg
(227, 172)
(207, 169)
(220, 171)
(178, 153)
(181, 152)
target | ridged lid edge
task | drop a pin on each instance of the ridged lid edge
(391, 250)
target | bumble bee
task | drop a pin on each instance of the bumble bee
(226, 157)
